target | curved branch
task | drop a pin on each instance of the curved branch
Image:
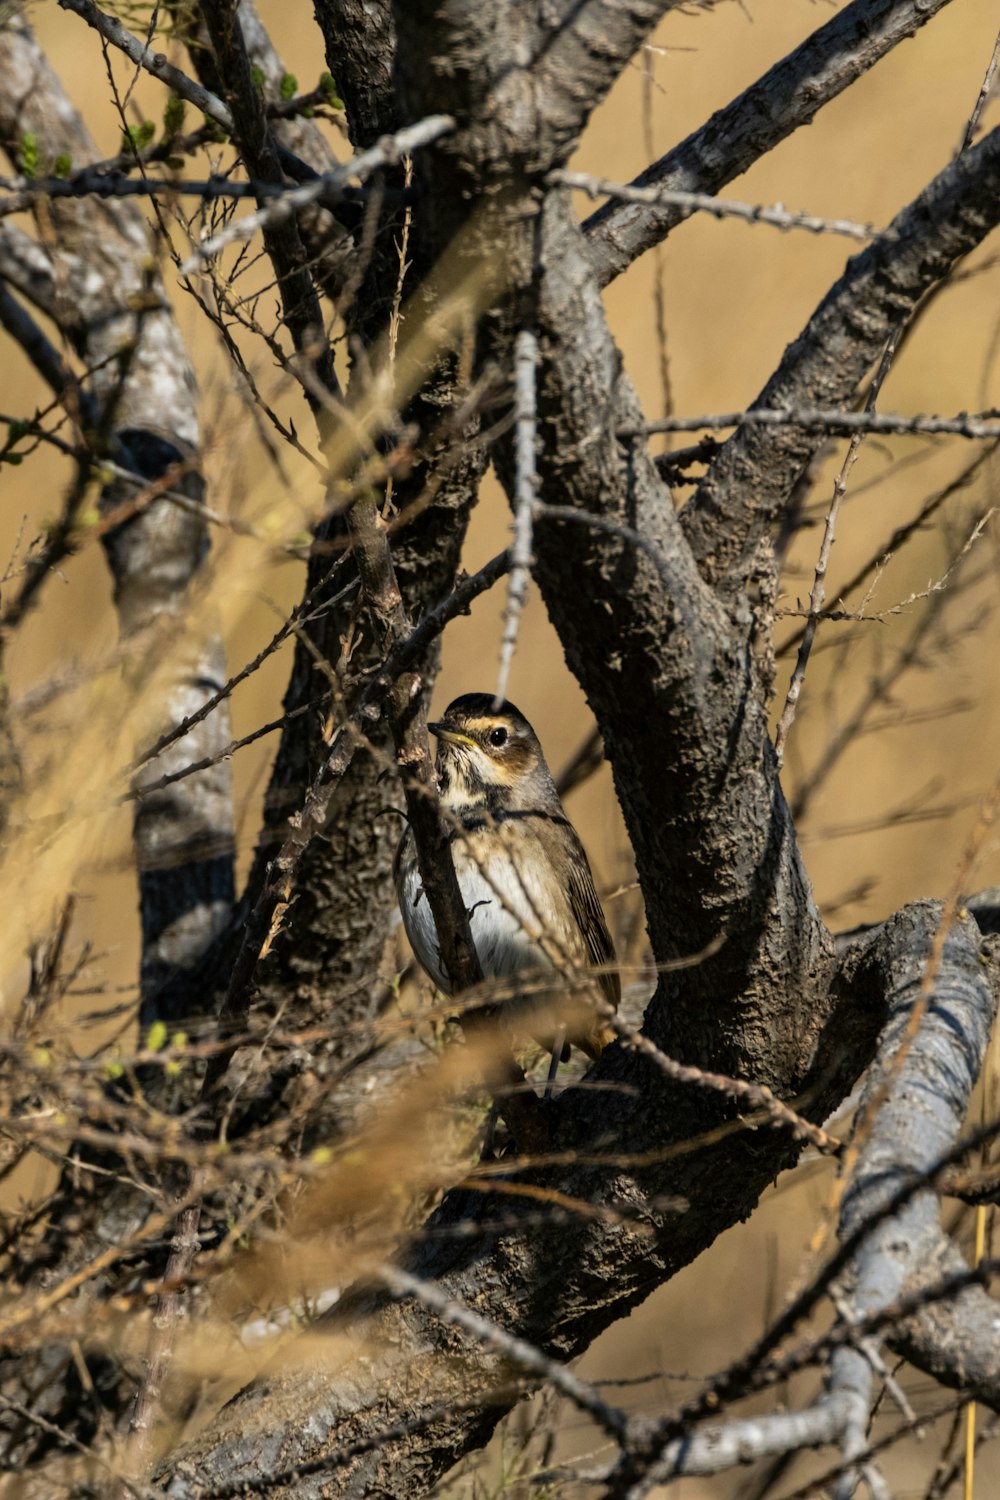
(915, 1100)
(788, 96)
(739, 500)
(955, 1341)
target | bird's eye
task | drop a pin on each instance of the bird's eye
(498, 736)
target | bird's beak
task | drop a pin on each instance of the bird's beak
(450, 736)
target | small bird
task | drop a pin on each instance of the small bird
(524, 877)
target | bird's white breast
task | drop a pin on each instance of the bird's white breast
(511, 901)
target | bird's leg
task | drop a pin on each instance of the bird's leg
(558, 1041)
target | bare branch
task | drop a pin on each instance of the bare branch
(154, 63)
(525, 360)
(984, 94)
(979, 426)
(777, 216)
(788, 96)
(739, 499)
(817, 596)
(284, 202)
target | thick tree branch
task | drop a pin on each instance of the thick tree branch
(360, 40)
(788, 96)
(739, 500)
(580, 59)
(344, 892)
(672, 678)
(915, 1100)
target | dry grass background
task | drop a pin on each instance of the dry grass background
(735, 295)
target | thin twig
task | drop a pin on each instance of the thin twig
(526, 1356)
(736, 1088)
(301, 612)
(777, 215)
(659, 254)
(67, 1439)
(817, 595)
(154, 63)
(163, 1332)
(386, 151)
(525, 491)
(984, 94)
(898, 538)
(96, 182)
(974, 426)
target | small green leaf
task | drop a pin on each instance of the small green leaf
(41, 1057)
(322, 1156)
(257, 78)
(173, 116)
(114, 1069)
(289, 86)
(179, 1040)
(63, 166)
(328, 89)
(156, 1036)
(27, 158)
(138, 137)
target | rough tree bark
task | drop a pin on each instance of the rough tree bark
(676, 664)
(665, 661)
(98, 285)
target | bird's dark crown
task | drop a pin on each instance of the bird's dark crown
(473, 709)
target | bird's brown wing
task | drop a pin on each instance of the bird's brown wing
(589, 914)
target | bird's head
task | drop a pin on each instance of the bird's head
(488, 754)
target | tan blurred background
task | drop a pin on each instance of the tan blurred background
(734, 296)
